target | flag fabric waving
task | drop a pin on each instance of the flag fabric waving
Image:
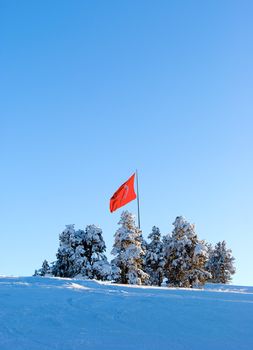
(124, 194)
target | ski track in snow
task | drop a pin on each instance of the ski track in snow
(63, 314)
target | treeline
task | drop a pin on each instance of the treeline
(179, 259)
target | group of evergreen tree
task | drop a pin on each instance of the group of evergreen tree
(180, 258)
(81, 253)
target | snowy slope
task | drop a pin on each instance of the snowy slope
(50, 313)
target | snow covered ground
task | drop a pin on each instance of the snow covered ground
(65, 314)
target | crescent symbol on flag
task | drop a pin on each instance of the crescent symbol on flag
(126, 190)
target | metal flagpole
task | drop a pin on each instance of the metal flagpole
(138, 200)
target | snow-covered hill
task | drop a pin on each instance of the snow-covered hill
(65, 314)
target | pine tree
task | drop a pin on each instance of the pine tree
(185, 256)
(127, 266)
(221, 263)
(64, 265)
(82, 252)
(44, 270)
(97, 265)
(154, 258)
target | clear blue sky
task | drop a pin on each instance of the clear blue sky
(92, 90)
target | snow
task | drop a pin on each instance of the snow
(40, 313)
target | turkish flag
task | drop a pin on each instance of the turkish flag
(123, 195)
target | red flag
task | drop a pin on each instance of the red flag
(123, 195)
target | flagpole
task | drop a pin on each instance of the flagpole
(138, 199)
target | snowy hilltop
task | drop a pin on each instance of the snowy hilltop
(39, 313)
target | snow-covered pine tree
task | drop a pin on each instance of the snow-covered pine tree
(127, 266)
(64, 265)
(78, 259)
(154, 258)
(81, 252)
(44, 270)
(220, 263)
(94, 247)
(185, 256)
